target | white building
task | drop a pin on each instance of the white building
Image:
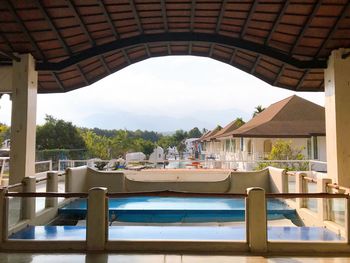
(135, 157)
(293, 119)
(157, 156)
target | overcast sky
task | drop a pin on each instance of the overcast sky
(163, 94)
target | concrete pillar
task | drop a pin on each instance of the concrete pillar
(337, 92)
(3, 215)
(299, 188)
(323, 204)
(51, 186)
(256, 221)
(28, 203)
(23, 119)
(97, 219)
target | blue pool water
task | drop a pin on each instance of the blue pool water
(232, 233)
(175, 209)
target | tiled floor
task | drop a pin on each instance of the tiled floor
(118, 258)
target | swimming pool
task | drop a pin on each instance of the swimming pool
(177, 209)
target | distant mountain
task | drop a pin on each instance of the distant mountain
(163, 124)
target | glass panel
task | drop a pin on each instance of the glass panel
(14, 210)
(285, 224)
(68, 224)
(160, 218)
(311, 203)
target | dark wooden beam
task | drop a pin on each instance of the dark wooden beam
(10, 54)
(58, 81)
(249, 17)
(277, 21)
(164, 15)
(233, 56)
(334, 28)
(169, 49)
(211, 50)
(301, 81)
(60, 39)
(147, 50)
(114, 31)
(24, 29)
(193, 12)
(136, 16)
(126, 57)
(109, 19)
(221, 15)
(279, 75)
(315, 9)
(80, 21)
(269, 36)
(230, 42)
(190, 48)
(256, 63)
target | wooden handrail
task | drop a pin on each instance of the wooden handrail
(338, 187)
(177, 194)
(14, 186)
(310, 179)
(47, 194)
(306, 195)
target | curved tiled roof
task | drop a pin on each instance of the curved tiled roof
(77, 42)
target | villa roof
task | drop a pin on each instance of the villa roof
(211, 135)
(229, 128)
(292, 117)
(76, 43)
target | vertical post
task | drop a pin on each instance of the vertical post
(3, 215)
(323, 203)
(50, 165)
(28, 203)
(347, 220)
(97, 219)
(299, 188)
(51, 186)
(256, 222)
(23, 118)
(337, 94)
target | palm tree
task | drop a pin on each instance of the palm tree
(258, 109)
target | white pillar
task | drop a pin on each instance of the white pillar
(28, 203)
(51, 186)
(323, 204)
(23, 121)
(337, 91)
(97, 219)
(256, 219)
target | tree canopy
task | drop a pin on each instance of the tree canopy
(58, 134)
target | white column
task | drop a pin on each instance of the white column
(28, 203)
(23, 122)
(51, 186)
(97, 219)
(256, 219)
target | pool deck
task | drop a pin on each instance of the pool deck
(186, 233)
(160, 258)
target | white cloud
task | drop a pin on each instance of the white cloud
(177, 87)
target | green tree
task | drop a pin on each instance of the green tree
(58, 134)
(97, 146)
(194, 133)
(4, 133)
(258, 109)
(283, 150)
